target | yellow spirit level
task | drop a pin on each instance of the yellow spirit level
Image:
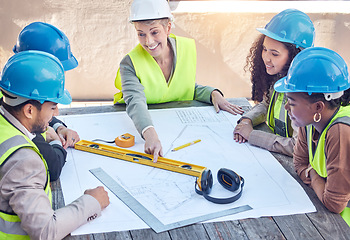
(141, 158)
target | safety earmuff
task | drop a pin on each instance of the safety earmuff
(227, 178)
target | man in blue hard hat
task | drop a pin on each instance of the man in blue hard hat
(33, 84)
(47, 38)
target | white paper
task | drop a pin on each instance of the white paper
(269, 189)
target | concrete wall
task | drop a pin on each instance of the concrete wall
(100, 36)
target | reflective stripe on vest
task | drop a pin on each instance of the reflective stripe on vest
(277, 116)
(318, 159)
(10, 143)
(11, 139)
(182, 84)
(10, 227)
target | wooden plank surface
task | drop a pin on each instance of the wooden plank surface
(225, 230)
(320, 225)
(261, 228)
(192, 232)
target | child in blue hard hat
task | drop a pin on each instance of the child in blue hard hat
(288, 33)
(47, 38)
(317, 88)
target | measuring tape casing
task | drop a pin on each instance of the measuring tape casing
(125, 140)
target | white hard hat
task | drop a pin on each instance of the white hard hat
(149, 9)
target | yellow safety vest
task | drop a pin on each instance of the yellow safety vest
(317, 158)
(182, 84)
(277, 116)
(11, 139)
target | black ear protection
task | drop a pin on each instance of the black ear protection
(227, 178)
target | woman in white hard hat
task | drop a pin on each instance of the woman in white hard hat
(288, 32)
(160, 69)
(317, 87)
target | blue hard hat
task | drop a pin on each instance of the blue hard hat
(316, 70)
(291, 26)
(45, 37)
(35, 75)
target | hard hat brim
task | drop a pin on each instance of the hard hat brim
(272, 35)
(70, 63)
(146, 18)
(65, 99)
(280, 86)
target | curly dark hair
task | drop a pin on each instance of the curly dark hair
(260, 79)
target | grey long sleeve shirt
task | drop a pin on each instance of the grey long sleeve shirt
(134, 96)
(22, 182)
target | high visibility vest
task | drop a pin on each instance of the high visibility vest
(11, 139)
(277, 116)
(181, 86)
(317, 157)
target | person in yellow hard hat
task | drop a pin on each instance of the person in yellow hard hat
(288, 33)
(160, 69)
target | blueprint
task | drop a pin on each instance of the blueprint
(170, 196)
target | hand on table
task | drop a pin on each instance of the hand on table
(220, 102)
(152, 144)
(51, 135)
(67, 136)
(242, 130)
(100, 194)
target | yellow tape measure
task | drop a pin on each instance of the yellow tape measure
(141, 158)
(125, 140)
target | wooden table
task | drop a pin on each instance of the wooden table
(319, 225)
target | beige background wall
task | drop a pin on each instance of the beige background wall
(100, 36)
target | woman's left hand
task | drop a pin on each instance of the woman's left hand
(242, 131)
(220, 102)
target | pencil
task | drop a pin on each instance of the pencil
(186, 145)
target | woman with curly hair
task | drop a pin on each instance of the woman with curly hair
(288, 33)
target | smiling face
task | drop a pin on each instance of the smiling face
(153, 37)
(275, 56)
(300, 110)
